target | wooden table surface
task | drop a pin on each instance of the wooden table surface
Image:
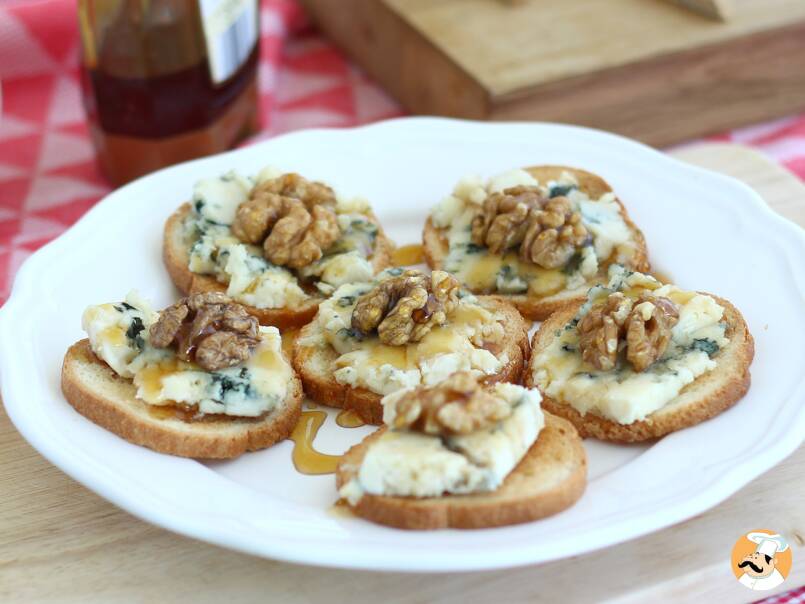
(60, 542)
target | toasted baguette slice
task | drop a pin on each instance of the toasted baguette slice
(705, 397)
(107, 399)
(435, 245)
(550, 478)
(176, 257)
(315, 366)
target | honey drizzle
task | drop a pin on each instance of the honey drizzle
(306, 459)
(408, 255)
(341, 509)
(662, 276)
(288, 339)
(347, 418)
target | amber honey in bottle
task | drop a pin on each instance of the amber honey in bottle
(165, 81)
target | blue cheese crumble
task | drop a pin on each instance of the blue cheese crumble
(118, 334)
(412, 464)
(484, 272)
(249, 277)
(364, 362)
(621, 394)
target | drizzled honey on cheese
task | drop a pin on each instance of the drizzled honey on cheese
(119, 334)
(629, 387)
(467, 340)
(454, 438)
(243, 266)
(571, 238)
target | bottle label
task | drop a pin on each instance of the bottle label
(231, 31)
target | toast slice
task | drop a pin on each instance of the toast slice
(110, 401)
(314, 364)
(176, 256)
(705, 397)
(435, 244)
(550, 478)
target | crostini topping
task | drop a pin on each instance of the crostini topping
(600, 331)
(293, 219)
(572, 241)
(473, 339)
(648, 330)
(405, 308)
(311, 193)
(120, 335)
(413, 463)
(503, 219)
(294, 237)
(555, 233)
(458, 405)
(547, 231)
(662, 338)
(207, 328)
(642, 327)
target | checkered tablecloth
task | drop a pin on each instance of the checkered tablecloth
(48, 177)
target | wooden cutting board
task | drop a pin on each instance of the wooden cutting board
(644, 68)
(60, 542)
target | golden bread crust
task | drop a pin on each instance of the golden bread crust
(707, 396)
(314, 366)
(550, 478)
(105, 398)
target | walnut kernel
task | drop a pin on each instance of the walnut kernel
(207, 328)
(643, 328)
(405, 308)
(292, 218)
(457, 405)
(547, 231)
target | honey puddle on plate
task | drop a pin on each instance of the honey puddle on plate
(305, 458)
(347, 418)
(408, 255)
(341, 509)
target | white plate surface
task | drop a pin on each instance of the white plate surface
(709, 232)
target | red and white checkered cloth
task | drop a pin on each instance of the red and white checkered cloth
(795, 596)
(48, 177)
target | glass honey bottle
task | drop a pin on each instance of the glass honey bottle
(165, 81)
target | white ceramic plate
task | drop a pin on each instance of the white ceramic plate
(708, 231)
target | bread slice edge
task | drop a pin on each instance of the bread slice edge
(707, 396)
(314, 366)
(94, 390)
(550, 478)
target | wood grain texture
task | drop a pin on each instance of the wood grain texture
(393, 52)
(646, 69)
(677, 96)
(61, 543)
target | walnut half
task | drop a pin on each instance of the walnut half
(547, 231)
(293, 219)
(403, 309)
(457, 405)
(553, 234)
(648, 330)
(502, 222)
(207, 328)
(644, 326)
